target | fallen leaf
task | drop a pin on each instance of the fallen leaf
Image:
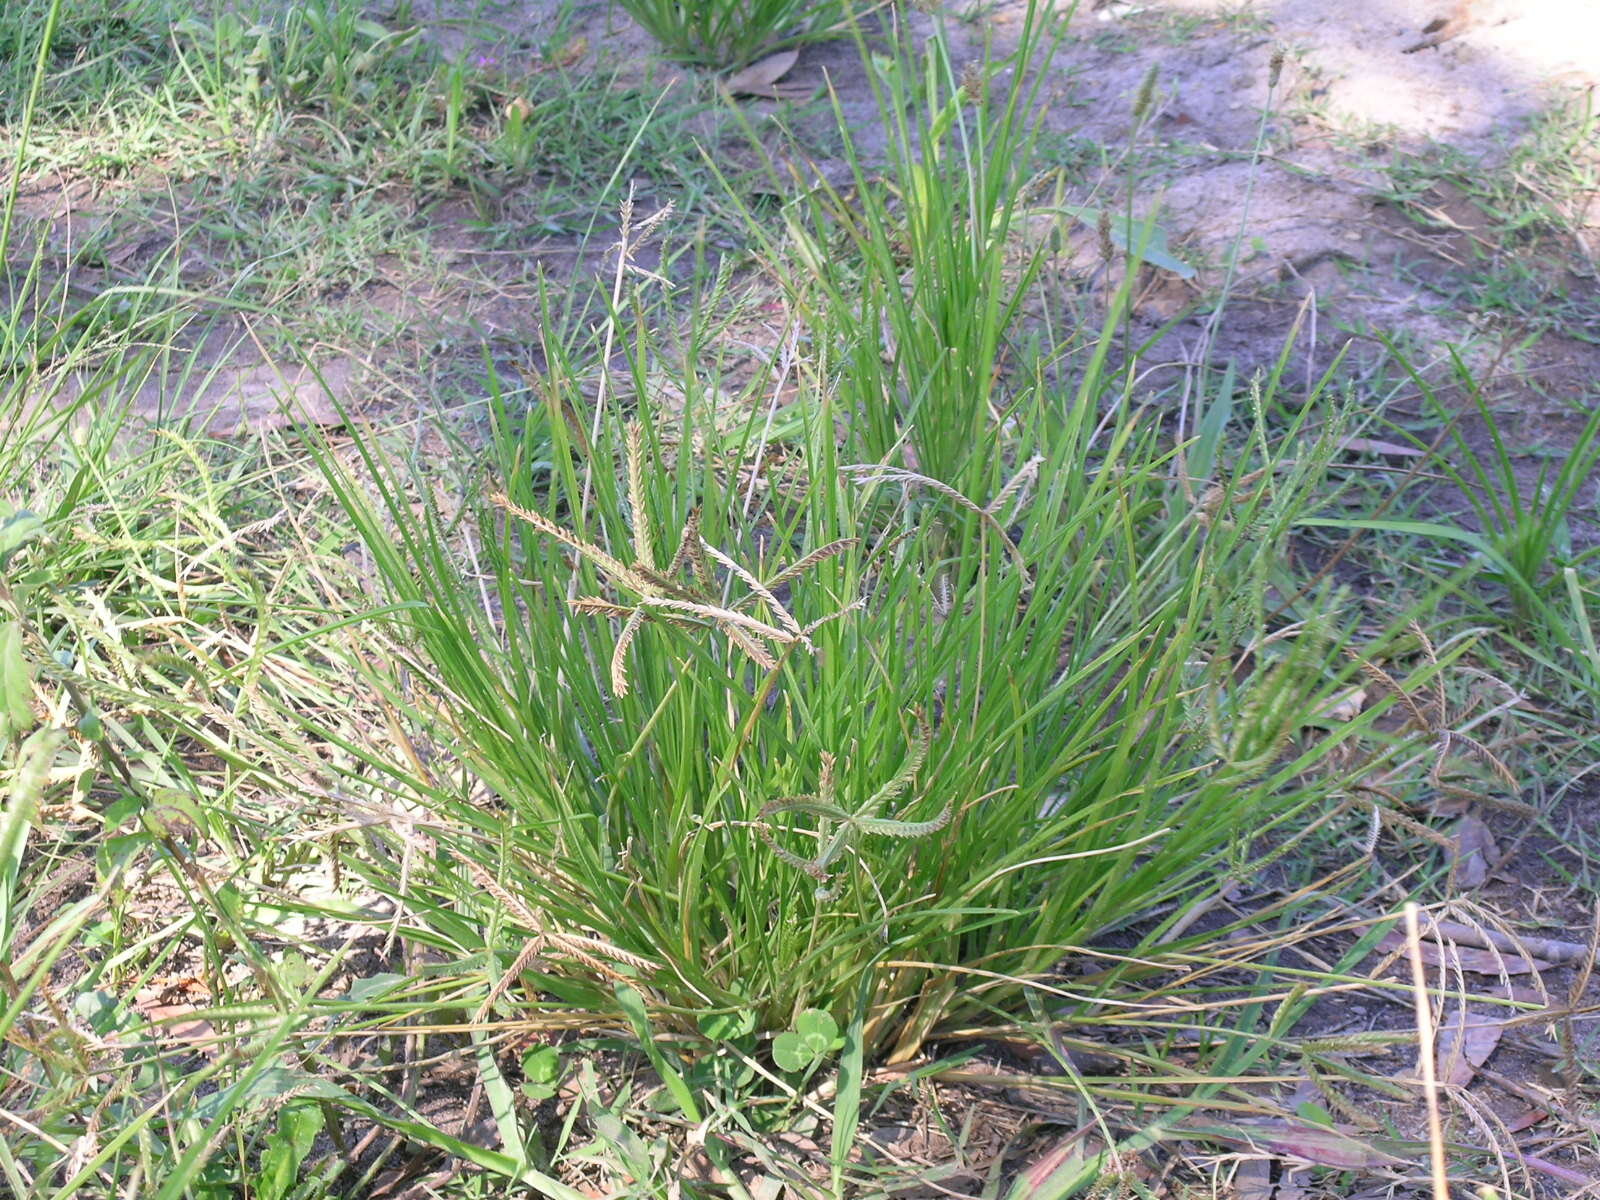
(1519, 993)
(1465, 1044)
(761, 77)
(172, 1008)
(1478, 962)
(1473, 848)
(1253, 1181)
(1526, 1119)
(1346, 706)
(180, 1024)
(1363, 445)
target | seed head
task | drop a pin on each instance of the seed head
(973, 82)
(1275, 67)
(1147, 91)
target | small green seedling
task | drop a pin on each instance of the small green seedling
(728, 1026)
(729, 1069)
(815, 1036)
(541, 1070)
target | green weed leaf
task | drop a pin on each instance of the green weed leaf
(375, 987)
(726, 1026)
(815, 1035)
(17, 530)
(16, 685)
(298, 1126)
(790, 1053)
(818, 1029)
(847, 1103)
(541, 1068)
(1126, 236)
(632, 1005)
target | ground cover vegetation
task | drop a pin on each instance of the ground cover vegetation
(816, 713)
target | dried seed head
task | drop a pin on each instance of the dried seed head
(1147, 92)
(1275, 67)
(1103, 229)
(619, 655)
(974, 84)
(1112, 1185)
(627, 210)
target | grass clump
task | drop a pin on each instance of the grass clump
(731, 33)
(1524, 527)
(874, 746)
(925, 254)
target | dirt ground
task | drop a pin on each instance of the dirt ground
(1361, 197)
(1363, 86)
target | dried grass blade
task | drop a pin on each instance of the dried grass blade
(1025, 475)
(855, 605)
(753, 649)
(594, 606)
(690, 535)
(529, 952)
(618, 570)
(523, 913)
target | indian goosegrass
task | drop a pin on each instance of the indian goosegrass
(731, 33)
(1040, 672)
(952, 738)
(929, 252)
(673, 741)
(662, 594)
